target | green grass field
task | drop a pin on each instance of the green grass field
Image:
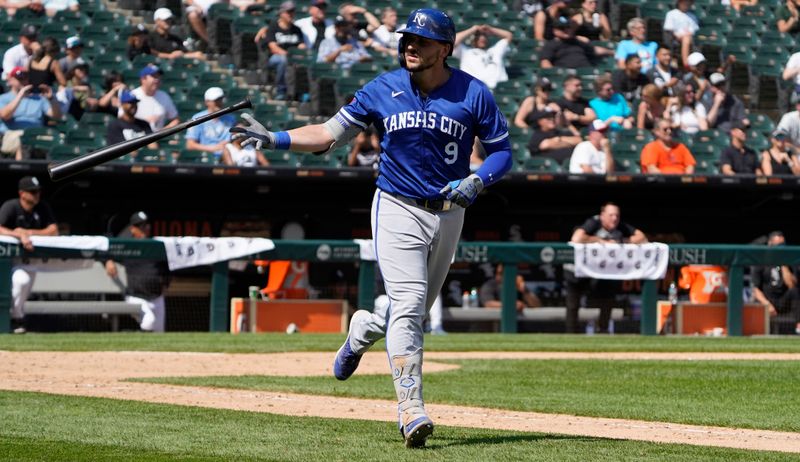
(751, 394)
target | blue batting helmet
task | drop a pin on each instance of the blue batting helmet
(428, 23)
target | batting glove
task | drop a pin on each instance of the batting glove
(255, 133)
(463, 192)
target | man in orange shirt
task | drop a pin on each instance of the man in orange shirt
(664, 155)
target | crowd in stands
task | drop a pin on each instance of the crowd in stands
(601, 88)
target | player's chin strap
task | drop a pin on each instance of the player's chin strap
(407, 376)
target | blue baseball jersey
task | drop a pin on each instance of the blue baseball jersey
(426, 142)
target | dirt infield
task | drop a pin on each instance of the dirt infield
(102, 374)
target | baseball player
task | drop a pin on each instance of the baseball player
(427, 115)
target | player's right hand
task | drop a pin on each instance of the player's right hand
(255, 134)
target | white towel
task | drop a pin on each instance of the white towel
(188, 251)
(621, 261)
(64, 242)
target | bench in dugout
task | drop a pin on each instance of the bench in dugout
(106, 294)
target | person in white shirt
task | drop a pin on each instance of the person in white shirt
(386, 38)
(479, 60)
(20, 54)
(790, 122)
(594, 154)
(316, 27)
(683, 24)
(155, 106)
(792, 70)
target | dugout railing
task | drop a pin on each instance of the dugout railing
(735, 257)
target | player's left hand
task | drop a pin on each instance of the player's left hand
(464, 191)
(254, 133)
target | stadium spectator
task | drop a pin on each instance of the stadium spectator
(73, 47)
(242, 156)
(165, 44)
(737, 158)
(594, 154)
(127, 126)
(137, 42)
(366, 149)
(565, 50)
(776, 286)
(109, 101)
(53, 7)
(726, 107)
(687, 114)
(43, 67)
(738, 4)
(538, 101)
(697, 76)
(663, 74)
(629, 81)
(344, 48)
(196, 14)
(683, 24)
(665, 155)
(78, 96)
(529, 8)
(548, 141)
(592, 24)
(23, 217)
(575, 109)
(788, 17)
(316, 27)
(155, 105)
(651, 108)
(609, 106)
(781, 158)
(790, 122)
(362, 22)
(792, 70)
(23, 106)
(280, 36)
(11, 6)
(148, 280)
(211, 136)
(607, 227)
(637, 45)
(479, 59)
(249, 6)
(545, 19)
(385, 37)
(491, 292)
(20, 54)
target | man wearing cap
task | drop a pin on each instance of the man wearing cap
(548, 141)
(594, 154)
(362, 27)
(211, 136)
(637, 45)
(281, 35)
(23, 217)
(738, 158)
(127, 126)
(664, 154)
(147, 280)
(137, 42)
(726, 107)
(20, 54)
(155, 106)
(574, 107)
(74, 51)
(21, 108)
(344, 48)
(480, 60)
(165, 44)
(776, 286)
(790, 122)
(565, 50)
(316, 27)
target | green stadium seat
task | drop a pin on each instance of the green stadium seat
(541, 164)
(62, 152)
(189, 156)
(761, 123)
(324, 161)
(88, 139)
(76, 20)
(281, 158)
(38, 141)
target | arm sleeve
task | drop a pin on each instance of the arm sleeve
(493, 135)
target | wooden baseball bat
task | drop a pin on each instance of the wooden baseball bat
(82, 163)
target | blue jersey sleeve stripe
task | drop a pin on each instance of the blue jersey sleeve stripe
(352, 119)
(495, 140)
